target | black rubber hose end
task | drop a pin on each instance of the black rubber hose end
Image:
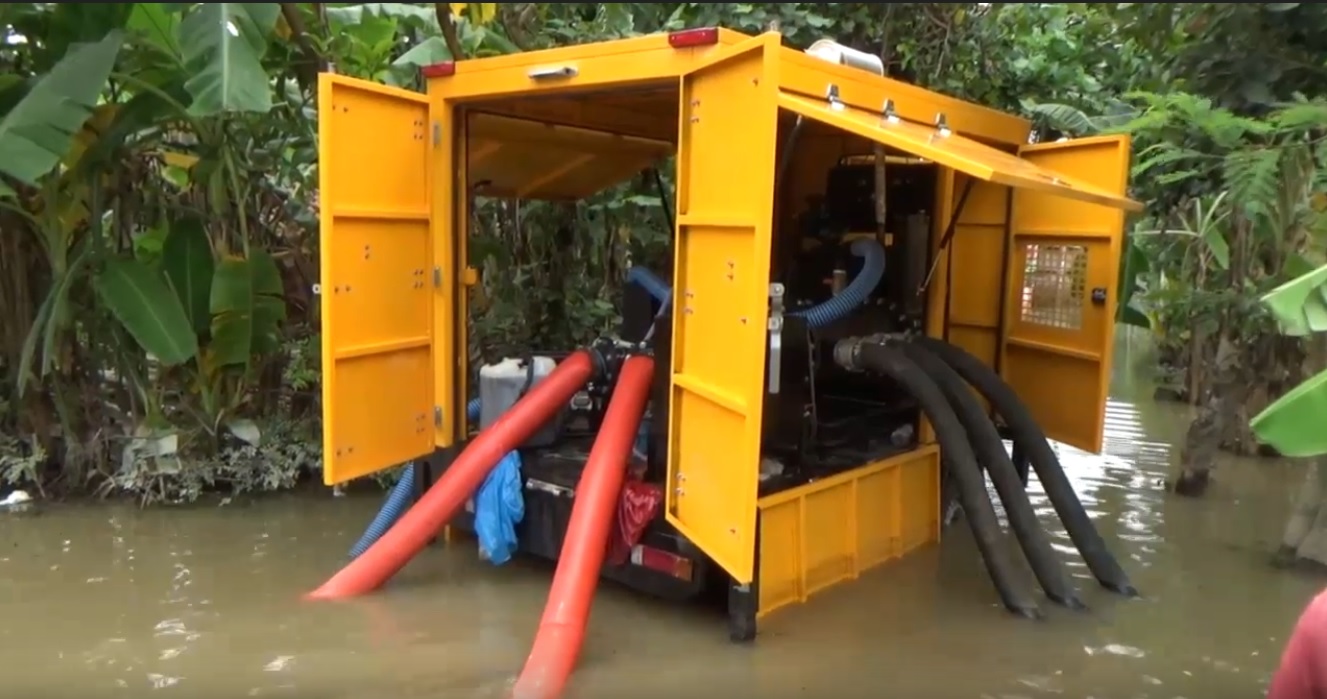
(1070, 601)
(966, 472)
(989, 450)
(1126, 588)
(1029, 613)
(1028, 435)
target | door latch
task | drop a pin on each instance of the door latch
(775, 327)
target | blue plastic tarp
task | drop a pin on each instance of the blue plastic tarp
(499, 507)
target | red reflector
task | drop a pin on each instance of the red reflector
(662, 562)
(446, 69)
(707, 36)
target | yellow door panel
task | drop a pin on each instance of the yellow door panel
(1063, 274)
(955, 151)
(720, 307)
(376, 286)
(972, 319)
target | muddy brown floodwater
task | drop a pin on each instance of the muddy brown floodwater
(111, 601)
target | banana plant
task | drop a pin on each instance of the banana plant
(367, 38)
(37, 131)
(1293, 425)
(211, 314)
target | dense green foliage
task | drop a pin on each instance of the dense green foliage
(159, 204)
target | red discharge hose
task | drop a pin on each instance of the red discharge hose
(437, 507)
(562, 629)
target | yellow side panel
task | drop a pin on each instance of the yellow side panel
(1064, 270)
(831, 531)
(975, 281)
(376, 288)
(953, 150)
(720, 306)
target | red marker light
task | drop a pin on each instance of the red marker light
(706, 36)
(446, 69)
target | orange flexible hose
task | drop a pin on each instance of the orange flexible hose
(562, 629)
(442, 501)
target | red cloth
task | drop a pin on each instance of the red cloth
(637, 506)
(1303, 670)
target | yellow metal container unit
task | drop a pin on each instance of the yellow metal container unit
(1014, 258)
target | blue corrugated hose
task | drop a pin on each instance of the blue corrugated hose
(856, 293)
(398, 500)
(650, 282)
(820, 315)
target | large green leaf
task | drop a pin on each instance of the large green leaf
(1133, 265)
(157, 25)
(223, 45)
(1293, 424)
(247, 308)
(186, 257)
(52, 317)
(37, 132)
(1300, 305)
(143, 303)
(142, 114)
(1132, 316)
(427, 52)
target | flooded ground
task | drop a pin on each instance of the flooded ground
(110, 601)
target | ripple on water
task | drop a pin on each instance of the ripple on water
(206, 600)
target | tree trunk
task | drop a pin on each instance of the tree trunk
(1219, 405)
(1305, 536)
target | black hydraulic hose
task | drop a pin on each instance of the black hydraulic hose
(963, 469)
(989, 449)
(1029, 438)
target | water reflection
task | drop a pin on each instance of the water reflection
(202, 602)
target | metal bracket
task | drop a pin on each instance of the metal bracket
(437, 416)
(942, 125)
(437, 277)
(889, 114)
(832, 96)
(775, 327)
(437, 133)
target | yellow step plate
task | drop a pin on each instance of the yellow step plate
(830, 531)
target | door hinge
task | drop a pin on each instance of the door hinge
(437, 277)
(775, 327)
(437, 416)
(437, 133)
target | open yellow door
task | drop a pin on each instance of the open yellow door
(1067, 222)
(1063, 278)
(376, 286)
(725, 199)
